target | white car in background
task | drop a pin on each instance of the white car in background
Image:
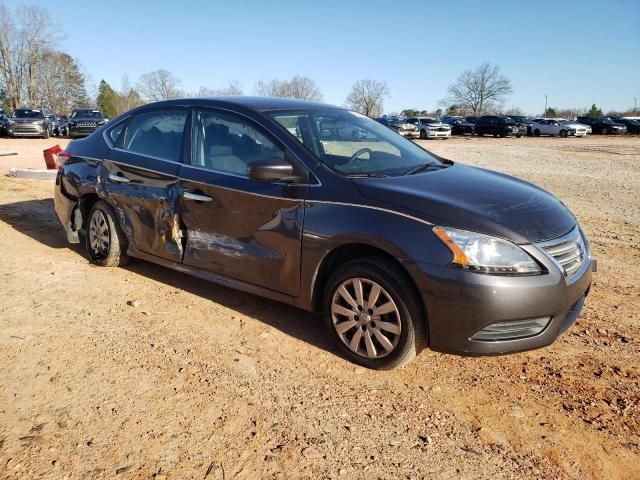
(578, 126)
(551, 126)
(431, 128)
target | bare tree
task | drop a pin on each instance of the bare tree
(481, 89)
(299, 87)
(233, 88)
(25, 38)
(159, 85)
(367, 97)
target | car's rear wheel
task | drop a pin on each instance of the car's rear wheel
(536, 132)
(105, 241)
(375, 313)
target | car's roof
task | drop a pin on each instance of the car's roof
(255, 103)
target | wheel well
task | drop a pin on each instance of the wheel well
(340, 256)
(84, 207)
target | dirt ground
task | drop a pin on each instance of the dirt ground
(141, 372)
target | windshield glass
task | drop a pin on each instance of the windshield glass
(352, 144)
(28, 114)
(507, 120)
(86, 114)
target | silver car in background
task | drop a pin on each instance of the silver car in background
(430, 128)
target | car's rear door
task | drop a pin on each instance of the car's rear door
(140, 179)
(237, 227)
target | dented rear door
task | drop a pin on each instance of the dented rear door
(140, 179)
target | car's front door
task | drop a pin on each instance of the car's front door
(237, 227)
(140, 179)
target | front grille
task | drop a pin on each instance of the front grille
(26, 129)
(86, 124)
(569, 251)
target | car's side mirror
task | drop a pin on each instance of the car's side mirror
(269, 170)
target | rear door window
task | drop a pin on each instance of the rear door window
(157, 134)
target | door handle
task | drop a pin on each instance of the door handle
(196, 196)
(118, 178)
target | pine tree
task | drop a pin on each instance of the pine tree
(107, 100)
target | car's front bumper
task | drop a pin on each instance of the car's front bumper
(460, 304)
(438, 133)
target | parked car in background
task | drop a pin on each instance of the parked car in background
(85, 121)
(382, 121)
(430, 128)
(28, 122)
(577, 125)
(498, 126)
(633, 126)
(398, 248)
(523, 122)
(459, 126)
(4, 124)
(603, 125)
(63, 125)
(403, 127)
(553, 127)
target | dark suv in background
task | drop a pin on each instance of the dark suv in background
(85, 121)
(603, 125)
(498, 126)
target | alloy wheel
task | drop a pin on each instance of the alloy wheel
(366, 318)
(99, 237)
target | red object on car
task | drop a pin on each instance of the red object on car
(50, 157)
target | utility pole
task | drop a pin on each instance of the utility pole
(635, 106)
(545, 106)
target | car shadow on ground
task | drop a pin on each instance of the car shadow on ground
(37, 219)
(305, 326)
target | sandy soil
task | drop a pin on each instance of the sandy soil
(141, 372)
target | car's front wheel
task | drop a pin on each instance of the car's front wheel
(105, 240)
(423, 134)
(563, 133)
(372, 308)
(536, 132)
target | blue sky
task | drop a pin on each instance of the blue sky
(576, 51)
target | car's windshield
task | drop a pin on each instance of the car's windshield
(86, 114)
(352, 144)
(507, 120)
(28, 114)
(425, 121)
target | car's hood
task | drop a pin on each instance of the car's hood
(475, 199)
(436, 124)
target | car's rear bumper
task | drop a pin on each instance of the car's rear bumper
(460, 304)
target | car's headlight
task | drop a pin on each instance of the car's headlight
(486, 254)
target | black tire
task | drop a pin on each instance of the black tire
(518, 135)
(563, 133)
(46, 134)
(115, 254)
(536, 133)
(397, 284)
(423, 134)
(605, 131)
(481, 134)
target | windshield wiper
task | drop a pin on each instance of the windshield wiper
(422, 168)
(367, 175)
